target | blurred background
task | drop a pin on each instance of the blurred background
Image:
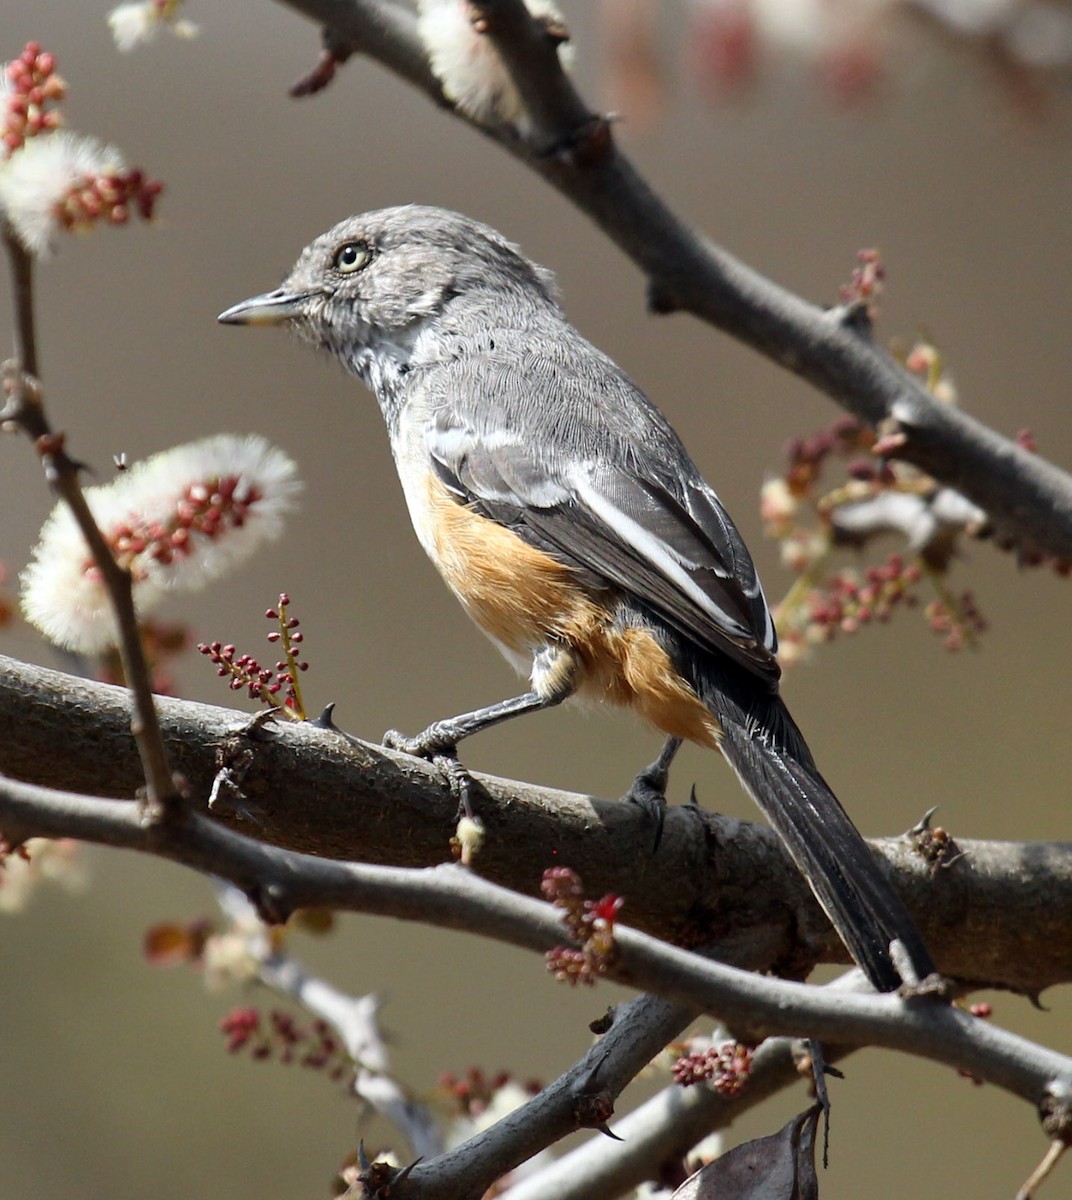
(793, 134)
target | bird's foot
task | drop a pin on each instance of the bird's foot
(439, 745)
(459, 780)
(440, 738)
(649, 789)
(652, 800)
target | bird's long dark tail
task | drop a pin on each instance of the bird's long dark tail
(768, 752)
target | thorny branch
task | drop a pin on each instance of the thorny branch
(666, 1127)
(583, 1097)
(752, 1006)
(308, 789)
(1028, 500)
(662, 1129)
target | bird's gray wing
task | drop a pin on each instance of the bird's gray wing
(623, 516)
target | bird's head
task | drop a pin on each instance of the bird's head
(375, 282)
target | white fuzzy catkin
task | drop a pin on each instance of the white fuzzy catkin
(38, 178)
(139, 21)
(469, 68)
(62, 594)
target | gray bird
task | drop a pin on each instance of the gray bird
(569, 520)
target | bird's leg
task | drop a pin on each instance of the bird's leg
(649, 788)
(553, 674)
(439, 742)
(443, 736)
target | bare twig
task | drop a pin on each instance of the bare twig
(354, 1019)
(1028, 500)
(665, 1127)
(22, 293)
(583, 1097)
(1043, 1171)
(24, 410)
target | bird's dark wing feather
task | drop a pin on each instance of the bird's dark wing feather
(617, 518)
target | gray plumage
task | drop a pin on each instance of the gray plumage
(483, 381)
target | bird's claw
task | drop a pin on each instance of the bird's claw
(459, 779)
(437, 745)
(649, 789)
(433, 743)
(648, 792)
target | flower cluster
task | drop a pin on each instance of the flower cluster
(957, 621)
(175, 521)
(52, 180)
(279, 1036)
(28, 89)
(590, 924)
(472, 1094)
(278, 686)
(865, 285)
(850, 600)
(68, 182)
(726, 1067)
(875, 496)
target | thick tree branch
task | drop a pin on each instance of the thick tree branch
(1029, 501)
(448, 896)
(1001, 914)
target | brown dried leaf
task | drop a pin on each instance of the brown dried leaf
(778, 1167)
(168, 945)
(314, 920)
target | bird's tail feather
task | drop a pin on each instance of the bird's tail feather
(772, 760)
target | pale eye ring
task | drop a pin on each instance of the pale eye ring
(350, 257)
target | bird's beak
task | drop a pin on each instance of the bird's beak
(271, 308)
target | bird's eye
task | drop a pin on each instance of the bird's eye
(350, 257)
